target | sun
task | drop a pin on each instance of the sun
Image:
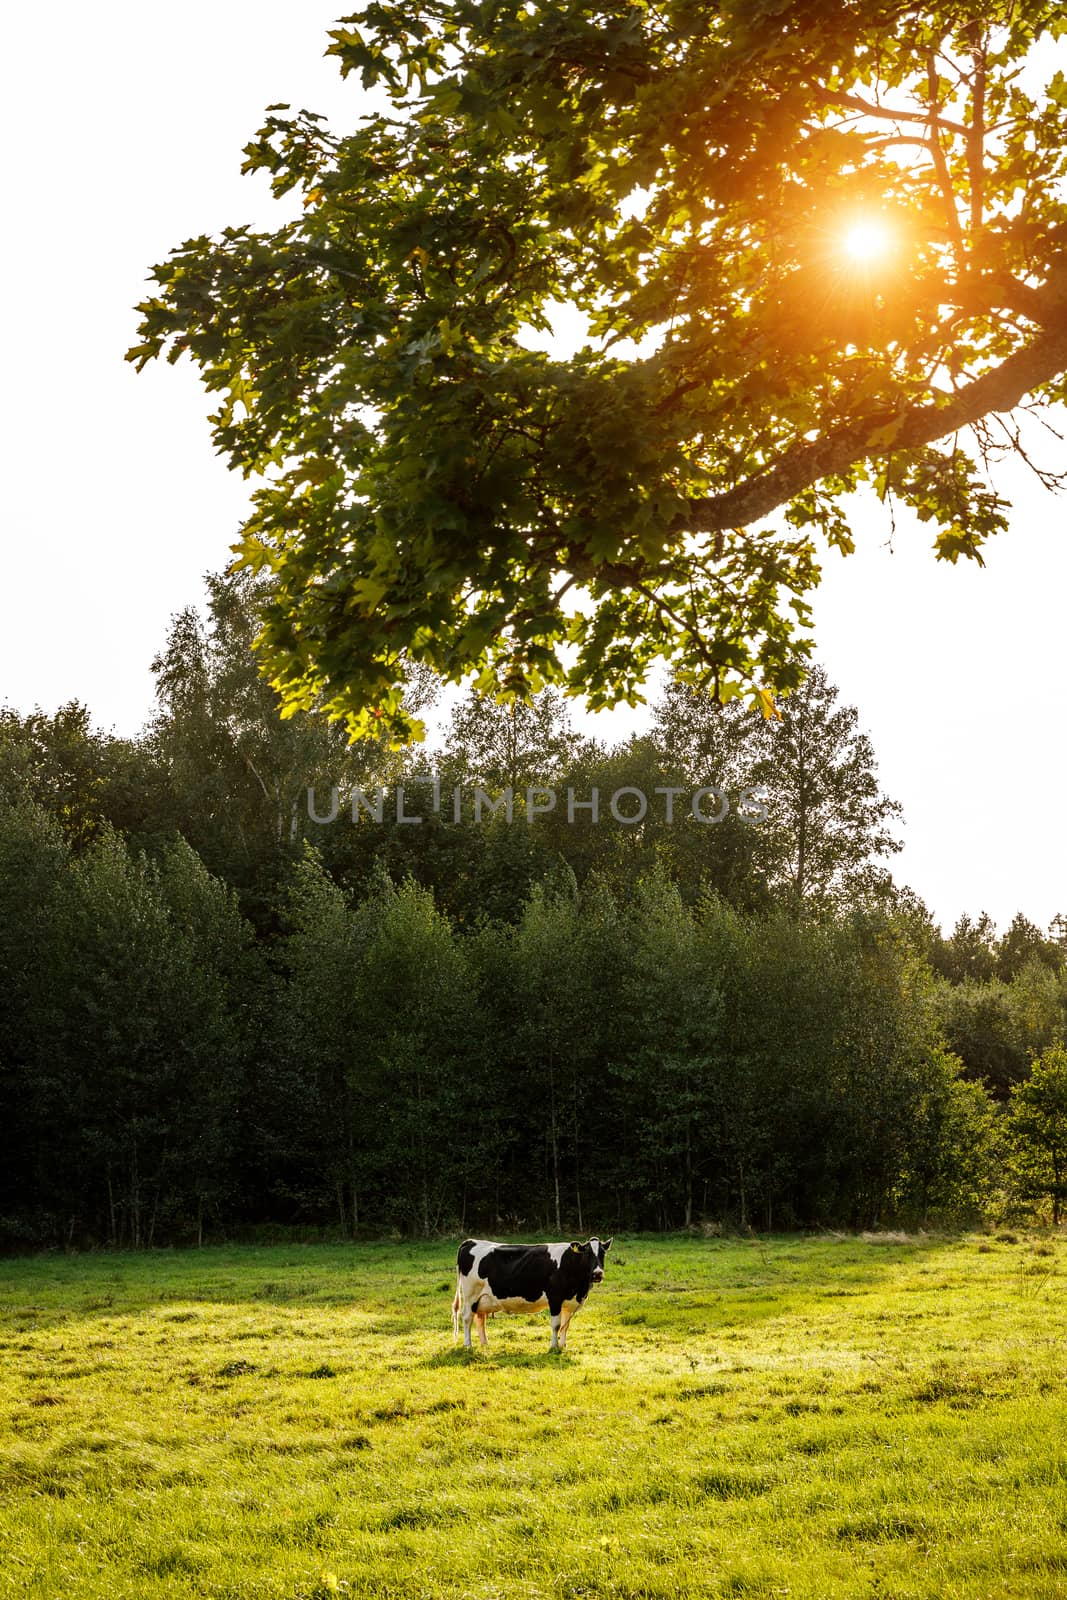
(867, 241)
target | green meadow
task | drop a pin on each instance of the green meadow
(805, 1416)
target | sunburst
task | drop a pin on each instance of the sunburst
(867, 241)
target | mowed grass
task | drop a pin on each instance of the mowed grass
(811, 1417)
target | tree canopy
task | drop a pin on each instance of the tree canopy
(812, 244)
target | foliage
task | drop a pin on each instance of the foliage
(34, 858)
(512, 746)
(1037, 1121)
(239, 772)
(679, 972)
(129, 989)
(687, 179)
(491, 1025)
(414, 1012)
(970, 951)
(648, 1062)
(1024, 945)
(954, 1170)
(996, 1028)
(313, 1092)
(84, 778)
(828, 817)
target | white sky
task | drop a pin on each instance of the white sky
(124, 126)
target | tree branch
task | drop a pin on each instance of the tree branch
(976, 135)
(944, 177)
(808, 463)
(887, 114)
(880, 141)
(687, 628)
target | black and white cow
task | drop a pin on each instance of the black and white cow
(524, 1277)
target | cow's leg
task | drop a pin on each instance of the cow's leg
(456, 1307)
(555, 1313)
(564, 1324)
(481, 1316)
(468, 1318)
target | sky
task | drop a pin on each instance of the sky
(124, 126)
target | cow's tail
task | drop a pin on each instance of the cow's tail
(456, 1304)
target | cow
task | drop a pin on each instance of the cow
(524, 1277)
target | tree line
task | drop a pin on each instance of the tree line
(218, 1014)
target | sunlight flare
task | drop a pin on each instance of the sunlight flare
(867, 241)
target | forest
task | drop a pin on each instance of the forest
(220, 1018)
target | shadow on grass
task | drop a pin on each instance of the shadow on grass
(458, 1357)
(660, 1282)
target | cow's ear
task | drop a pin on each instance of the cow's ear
(608, 1242)
(575, 1245)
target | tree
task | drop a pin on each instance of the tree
(826, 820)
(137, 1063)
(219, 984)
(552, 997)
(566, 955)
(512, 746)
(34, 860)
(507, 862)
(980, 1027)
(1024, 943)
(1037, 1121)
(671, 990)
(84, 778)
(317, 1103)
(830, 236)
(828, 817)
(414, 1014)
(710, 744)
(239, 771)
(955, 1148)
(700, 745)
(971, 952)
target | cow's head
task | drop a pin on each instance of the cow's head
(598, 1249)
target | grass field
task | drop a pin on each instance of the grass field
(813, 1417)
